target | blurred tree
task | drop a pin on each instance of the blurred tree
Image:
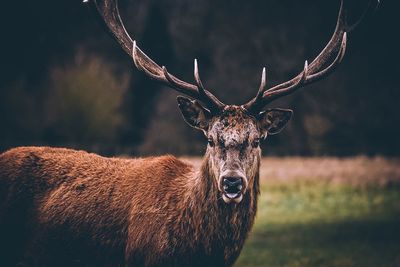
(83, 103)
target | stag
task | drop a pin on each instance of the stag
(62, 207)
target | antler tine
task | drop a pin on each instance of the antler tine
(271, 95)
(136, 61)
(316, 76)
(201, 94)
(197, 76)
(176, 84)
(263, 84)
(205, 94)
(250, 106)
(200, 86)
(108, 13)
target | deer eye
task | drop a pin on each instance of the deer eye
(210, 142)
(256, 143)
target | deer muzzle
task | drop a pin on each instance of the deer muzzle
(232, 185)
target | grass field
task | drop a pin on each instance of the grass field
(326, 212)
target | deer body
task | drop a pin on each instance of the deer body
(99, 211)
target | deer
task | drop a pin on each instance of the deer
(64, 207)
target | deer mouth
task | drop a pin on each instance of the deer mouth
(232, 186)
(232, 197)
(232, 194)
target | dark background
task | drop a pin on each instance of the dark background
(65, 82)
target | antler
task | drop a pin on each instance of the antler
(109, 14)
(318, 69)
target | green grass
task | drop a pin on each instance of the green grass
(313, 222)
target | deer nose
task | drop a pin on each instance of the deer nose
(232, 186)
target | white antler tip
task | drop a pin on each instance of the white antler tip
(196, 71)
(264, 75)
(305, 73)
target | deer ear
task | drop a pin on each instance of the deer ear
(272, 121)
(194, 113)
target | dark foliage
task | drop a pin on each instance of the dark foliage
(47, 43)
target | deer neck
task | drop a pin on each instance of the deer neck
(217, 223)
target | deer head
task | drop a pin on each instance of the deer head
(233, 132)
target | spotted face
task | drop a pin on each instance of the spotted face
(234, 138)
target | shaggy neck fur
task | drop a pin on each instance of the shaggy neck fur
(219, 228)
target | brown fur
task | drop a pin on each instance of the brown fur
(61, 207)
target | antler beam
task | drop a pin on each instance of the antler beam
(318, 69)
(108, 13)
